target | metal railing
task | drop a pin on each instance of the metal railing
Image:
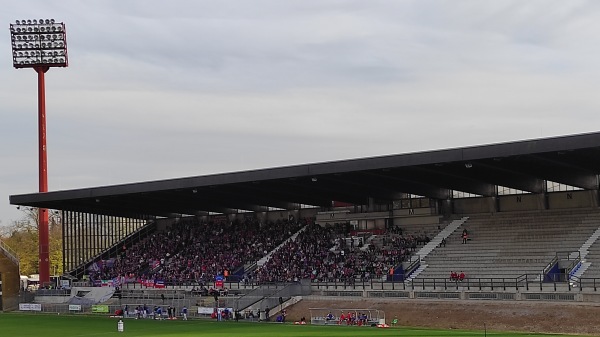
(584, 283)
(11, 254)
(53, 292)
(566, 261)
(574, 259)
(110, 309)
(260, 293)
(525, 282)
(521, 282)
(550, 264)
(232, 284)
(413, 265)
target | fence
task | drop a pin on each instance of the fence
(523, 282)
(103, 310)
(524, 287)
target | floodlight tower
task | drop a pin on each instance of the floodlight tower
(40, 44)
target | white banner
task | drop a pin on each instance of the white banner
(30, 307)
(74, 307)
(205, 310)
(209, 310)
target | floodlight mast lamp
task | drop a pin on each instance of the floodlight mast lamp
(41, 45)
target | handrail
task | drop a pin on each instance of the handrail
(9, 252)
(572, 265)
(413, 265)
(563, 256)
(522, 278)
(521, 281)
(566, 255)
(258, 294)
(550, 265)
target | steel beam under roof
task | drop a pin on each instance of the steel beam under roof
(525, 165)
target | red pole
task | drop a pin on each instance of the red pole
(43, 232)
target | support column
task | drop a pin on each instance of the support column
(43, 232)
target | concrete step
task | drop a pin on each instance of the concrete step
(443, 234)
(416, 273)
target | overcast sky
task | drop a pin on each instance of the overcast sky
(166, 89)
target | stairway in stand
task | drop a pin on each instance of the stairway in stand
(435, 242)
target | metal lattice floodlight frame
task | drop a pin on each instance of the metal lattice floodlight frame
(39, 43)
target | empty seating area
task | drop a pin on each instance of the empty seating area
(508, 245)
(593, 257)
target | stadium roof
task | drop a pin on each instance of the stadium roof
(523, 165)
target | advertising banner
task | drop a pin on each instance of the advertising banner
(100, 308)
(206, 310)
(30, 307)
(74, 307)
(210, 310)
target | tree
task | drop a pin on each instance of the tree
(22, 237)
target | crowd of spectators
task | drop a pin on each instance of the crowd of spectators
(395, 248)
(195, 252)
(299, 258)
(326, 254)
(190, 250)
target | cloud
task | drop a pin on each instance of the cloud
(160, 89)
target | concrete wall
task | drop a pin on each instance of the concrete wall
(413, 212)
(526, 202)
(265, 216)
(345, 216)
(572, 199)
(378, 220)
(10, 282)
(417, 216)
(371, 220)
(163, 224)
(308, 212)
(521, 202)
(281, 215)
(474, 205)
(417, 220)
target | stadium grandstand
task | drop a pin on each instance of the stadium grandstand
(508, 221)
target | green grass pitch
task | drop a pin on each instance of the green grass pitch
(25, 325)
